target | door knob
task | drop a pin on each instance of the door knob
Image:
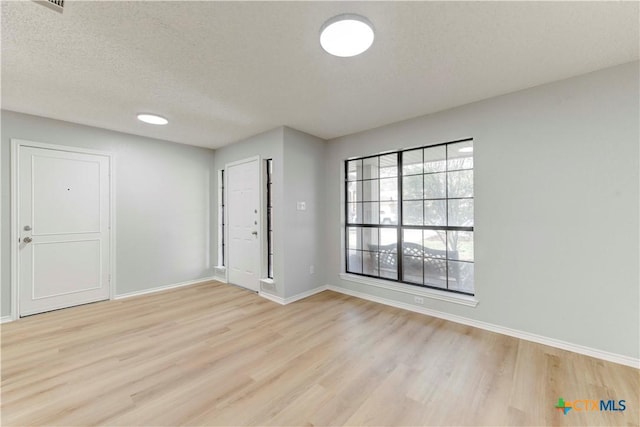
(27, 239)
(255, 233)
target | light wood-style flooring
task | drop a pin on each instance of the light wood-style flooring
(213, 354)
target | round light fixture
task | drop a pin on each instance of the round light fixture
(152, 119)
(346, 35)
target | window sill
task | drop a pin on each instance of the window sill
(468, 300)
(220, 273)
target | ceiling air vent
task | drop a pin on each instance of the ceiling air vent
(57, 5)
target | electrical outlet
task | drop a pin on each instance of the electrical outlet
(418, 300)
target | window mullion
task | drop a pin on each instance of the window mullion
(400, 219)
(223, 219)
(422, 260)
(446, 209)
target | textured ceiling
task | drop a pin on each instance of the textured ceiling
(223, 71)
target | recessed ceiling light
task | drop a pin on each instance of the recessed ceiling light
(466, 150)
(152, 119)
(346, 35)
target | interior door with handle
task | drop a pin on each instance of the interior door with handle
(64, 229)
(243, 207)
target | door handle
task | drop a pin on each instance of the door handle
(27, 239)
(255, 233)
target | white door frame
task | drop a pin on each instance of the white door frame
(16, 144)
(226, 213)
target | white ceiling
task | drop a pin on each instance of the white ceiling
(223, 71)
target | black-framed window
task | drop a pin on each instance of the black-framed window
(409, 216)
(269, 167)
(222, 220)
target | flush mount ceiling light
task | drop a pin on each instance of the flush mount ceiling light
(152, 119)
(346, 35)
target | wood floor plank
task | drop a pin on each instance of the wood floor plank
(214, 354)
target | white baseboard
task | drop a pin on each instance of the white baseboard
(164, 288)
(5, 319)
(527, 336)
(298, 297)
(305, 294)
(220, 279)
(271, 297)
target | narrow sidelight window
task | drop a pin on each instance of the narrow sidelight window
(221, 219)
(269, 219)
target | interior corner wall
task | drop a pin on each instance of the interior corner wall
(556, 207)
(266, 145)
(164, 225)
(304, 178)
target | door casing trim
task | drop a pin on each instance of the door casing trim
(16, 144)
(260, 222)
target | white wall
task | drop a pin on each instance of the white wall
(163, 202)
(556, 207)
(304, 168)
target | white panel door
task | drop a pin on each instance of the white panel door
(64, 231)
(243, 213)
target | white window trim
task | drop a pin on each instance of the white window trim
(467, 300)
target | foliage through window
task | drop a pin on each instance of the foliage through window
(409, 216)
